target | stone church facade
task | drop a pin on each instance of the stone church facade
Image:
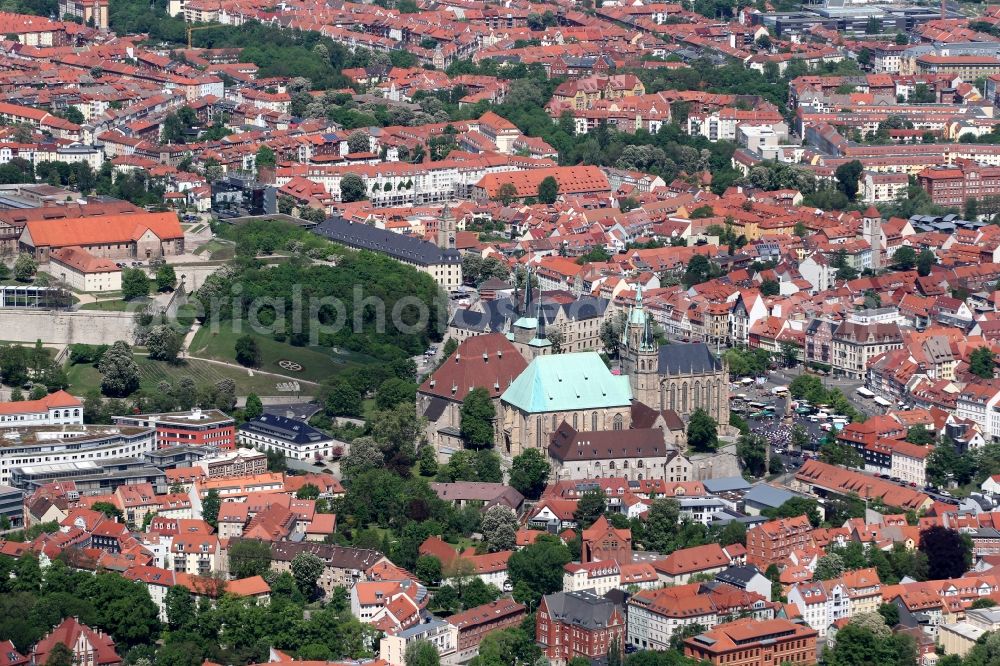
(681, 377)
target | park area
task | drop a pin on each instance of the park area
(314, 364)
(84, 377)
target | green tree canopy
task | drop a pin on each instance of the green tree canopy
(477, 416)
(702, 432)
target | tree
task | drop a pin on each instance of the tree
(60, 655)
(918, 434)
(352, 188)
(529, 473)
(905, 258)
(253, 408)
(394, 391)
(365, 455)
(248, 351)
(770, 288)
(172, 129)
(428, 569)
(981, 362)
(971, 209)
(752, 451)
(24, 267)
(507, 193)
(109, 510)
(180, 608)
(358, 142)
(163, 343)
(210, 507)
(889, 613)
(661, 524)
(248, 558)
(828, 567)
(264, 157)
(548, 190)
(949, 553)
(847, 175)
(120, 371)
(925, 261)
(306, 569)
(166, 277)
(499, 528)
(421, 653)
(477, 416)
(859, 645)
(343, 399)
(537, 570)
(135, 284)
(796, 506)
(984, 602)
(591, 506)
(702, 432)
(611, 333)
(224, 395)
(800, 437)
(307, 491)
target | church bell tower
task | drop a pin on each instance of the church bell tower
(446, 230)
(639, 354)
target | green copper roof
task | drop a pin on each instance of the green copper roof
(539, 342)
(565, 382)
(526, 322)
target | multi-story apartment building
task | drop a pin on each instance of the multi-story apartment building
(440, 633)
(240, 462)
(474, 624)
(59, 408)
(773, 541)
(197, 427)
(819, 341)
(342, 567)
(578, 624)
(41, 445)
(954, 185)
(909, 462)
(195, 554)
(749, 642)
(654, 616)
(854, 344)
(979, 402)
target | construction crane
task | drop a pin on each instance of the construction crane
(192, 28)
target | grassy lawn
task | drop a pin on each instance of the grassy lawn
(84, 377)
(114, 305)
(217, 249)
(318, 363)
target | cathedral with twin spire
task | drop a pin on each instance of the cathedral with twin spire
(681, 377)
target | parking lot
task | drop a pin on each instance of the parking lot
(777, 430)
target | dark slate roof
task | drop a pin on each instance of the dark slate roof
(286, 429)
(766, 495)
(338, 557)
(435, 408)
(738, 576)
(581, 609)
(688, 358)
(497, 313)
(400, 247)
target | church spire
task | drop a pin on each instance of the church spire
(527, 291)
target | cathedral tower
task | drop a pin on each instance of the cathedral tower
(639, 354)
